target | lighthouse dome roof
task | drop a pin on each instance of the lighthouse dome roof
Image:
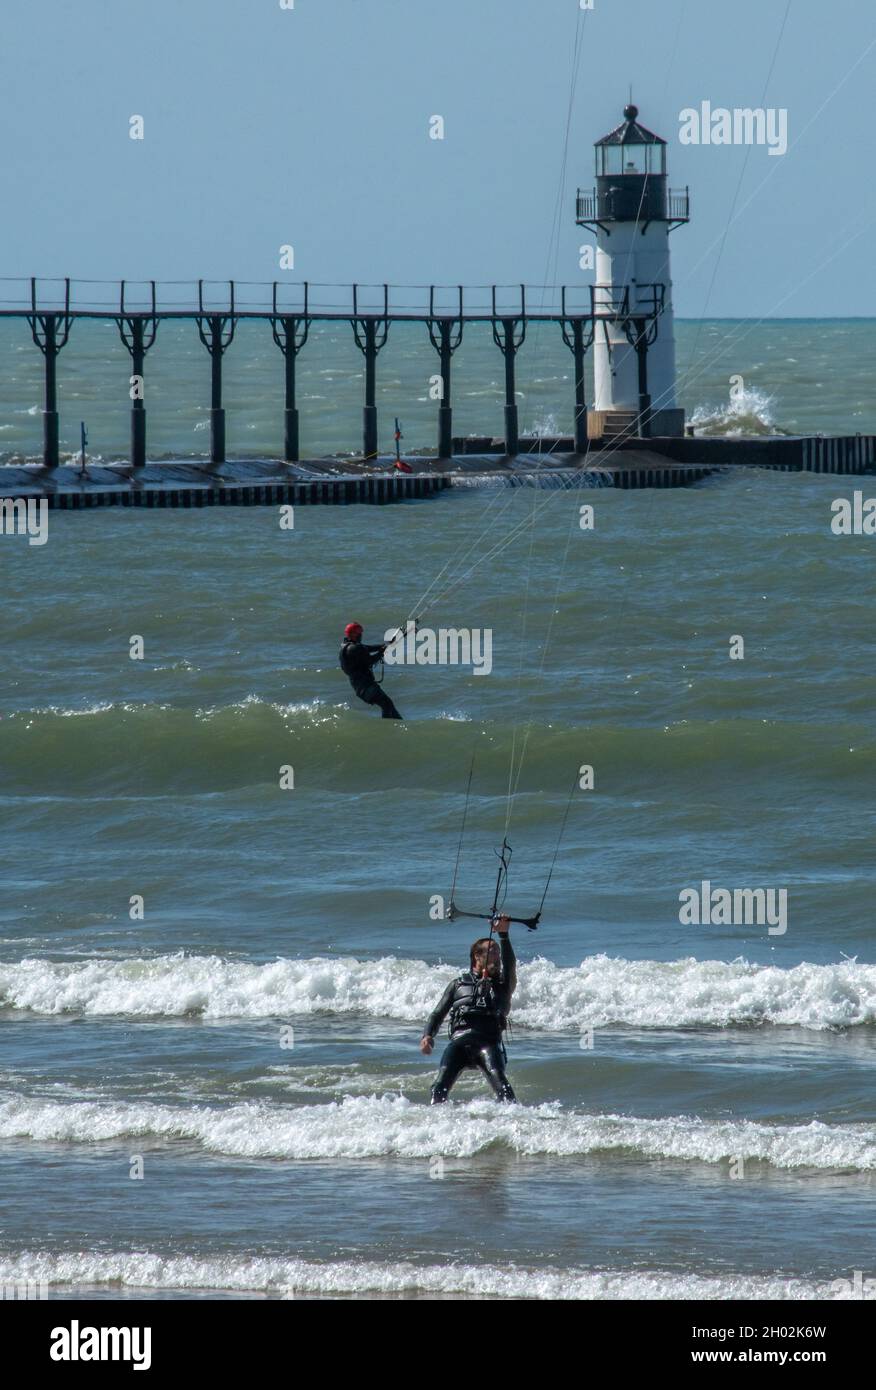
(630, 132)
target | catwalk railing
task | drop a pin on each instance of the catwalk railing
(51, 308)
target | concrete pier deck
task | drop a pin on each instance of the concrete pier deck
(630, 463)
(254, 482)
(855, 453)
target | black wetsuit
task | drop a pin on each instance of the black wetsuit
(357, 659)
(478, 1009)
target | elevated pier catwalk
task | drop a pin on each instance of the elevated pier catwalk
(52, 308)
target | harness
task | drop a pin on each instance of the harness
(480, 1004)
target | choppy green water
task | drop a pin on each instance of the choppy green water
(268, 1165)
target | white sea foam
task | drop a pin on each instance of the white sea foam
(291, 1277)
(746, 414)
(393, 1127)
(600, 992)
(98, 707)
(351, 1080)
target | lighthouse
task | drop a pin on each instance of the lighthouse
(632, 212)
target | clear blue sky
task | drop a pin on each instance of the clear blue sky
(266, 126)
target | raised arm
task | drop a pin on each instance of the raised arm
(509, 964)
(506, 985)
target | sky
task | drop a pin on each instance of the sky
(309, 127)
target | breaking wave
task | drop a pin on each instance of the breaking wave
(748, 416)
(286, 1278)
(367, 1127)
(600, 992)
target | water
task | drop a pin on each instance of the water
(278, 1161)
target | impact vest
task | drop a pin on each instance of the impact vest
(475, 1006)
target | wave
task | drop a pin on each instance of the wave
(362, 1127)
(159, 749)
(602, 991)
(288, 1277)
(747, 416)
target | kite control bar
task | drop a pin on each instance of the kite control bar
(453, 912)
(401, 631)
(531, 922)
(400, 635)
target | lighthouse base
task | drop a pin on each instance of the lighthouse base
(625, 424)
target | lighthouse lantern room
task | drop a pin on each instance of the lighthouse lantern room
(632, 212)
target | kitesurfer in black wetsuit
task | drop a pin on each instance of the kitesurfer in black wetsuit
(478, 1002)
(357, 658)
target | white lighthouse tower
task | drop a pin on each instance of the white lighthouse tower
(632, 213)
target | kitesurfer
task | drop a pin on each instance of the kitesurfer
(357, 659)
(478, 1002)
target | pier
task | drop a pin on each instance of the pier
(614, 448)
(851, 453)
(328, 482)
(52, 309)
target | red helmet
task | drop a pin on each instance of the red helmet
(353, 630)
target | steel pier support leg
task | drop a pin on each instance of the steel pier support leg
(580, 402)
(290, 439)
(369, 414)
(512, 431)
(644, 421)
(445, 432)
(50, 413)
(445, 410)
(217, 414)
(138, 406)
